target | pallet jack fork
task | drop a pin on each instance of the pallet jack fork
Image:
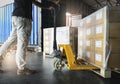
(72, 64)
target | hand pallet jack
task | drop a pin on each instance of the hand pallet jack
(66, 56)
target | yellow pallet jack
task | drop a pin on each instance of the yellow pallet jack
(71, 62)
(66, 56)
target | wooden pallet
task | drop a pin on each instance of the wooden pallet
(105, 73)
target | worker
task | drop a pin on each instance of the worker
(21, 29)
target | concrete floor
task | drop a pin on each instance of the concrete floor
(47, 75)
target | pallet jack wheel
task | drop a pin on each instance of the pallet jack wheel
(58, 64)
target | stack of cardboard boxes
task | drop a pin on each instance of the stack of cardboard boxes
(64, 35)
(98, 38)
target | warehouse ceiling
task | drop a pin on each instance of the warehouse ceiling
(97, 4)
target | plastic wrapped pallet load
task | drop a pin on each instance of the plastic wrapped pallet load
(73, 20)
(64, 35)
(101, 35)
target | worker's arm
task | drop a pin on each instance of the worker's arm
(41, 5)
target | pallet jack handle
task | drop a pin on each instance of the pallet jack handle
(55, 40)
(56, 52)
(55, 11)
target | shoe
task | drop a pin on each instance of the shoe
(26, 71)
(1, 71)
(1, 59)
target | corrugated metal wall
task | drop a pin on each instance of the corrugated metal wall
(5, 24)
(34, 33)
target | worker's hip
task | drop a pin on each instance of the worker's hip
(22, 26)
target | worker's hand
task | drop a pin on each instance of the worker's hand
(51, 8)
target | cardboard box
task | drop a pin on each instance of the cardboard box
(73, 20)
(89, 32)
(99, 44)
(48, 40)
(80, 52)
(100, 31)
(100, 16)
(80, 33)
(89, 44)
(89, 56)
(99, 58)
(89, 21)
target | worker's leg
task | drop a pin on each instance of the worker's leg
(10, 40)
(23, 34)
(8, 43)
